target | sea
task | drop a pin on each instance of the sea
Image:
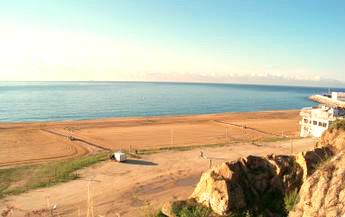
(59, 101)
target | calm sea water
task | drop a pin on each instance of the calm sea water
(57, 101)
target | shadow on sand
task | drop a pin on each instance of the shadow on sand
(140, 162)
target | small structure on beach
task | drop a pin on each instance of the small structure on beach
(118, 156)
(315, 120)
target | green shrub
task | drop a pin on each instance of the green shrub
(196, 211)
(290, 200)
(339, 124)
(191, 209)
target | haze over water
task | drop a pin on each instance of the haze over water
(58, 101)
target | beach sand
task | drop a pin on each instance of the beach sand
(22, 143)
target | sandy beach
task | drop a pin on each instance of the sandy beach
(22, 143)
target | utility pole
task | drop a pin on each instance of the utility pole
(226, 134)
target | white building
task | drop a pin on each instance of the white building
(317, 119)
(338, 96)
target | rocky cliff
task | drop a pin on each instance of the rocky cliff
(256, 184)
(323, 193)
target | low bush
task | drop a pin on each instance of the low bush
(339, 124)
(290, 200)
(191, 209)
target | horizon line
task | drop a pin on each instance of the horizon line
(179, 82)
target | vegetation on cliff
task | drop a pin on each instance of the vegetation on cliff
(339, 124)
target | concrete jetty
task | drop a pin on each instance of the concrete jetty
(328, 101)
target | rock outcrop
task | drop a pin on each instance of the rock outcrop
(333, 138)
(256, 184)
(323, 194)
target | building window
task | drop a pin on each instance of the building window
(320, 124)
(315, 123)
(306, 121)
(330, 123)
(324, 125)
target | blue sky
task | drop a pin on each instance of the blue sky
(172, 40)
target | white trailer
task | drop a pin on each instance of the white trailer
(118, 156)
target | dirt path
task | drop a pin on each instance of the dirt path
(74, 138)
(130, 189)
(246, 127)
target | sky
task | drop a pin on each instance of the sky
(173, 40)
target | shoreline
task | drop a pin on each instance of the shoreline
(116, 119)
